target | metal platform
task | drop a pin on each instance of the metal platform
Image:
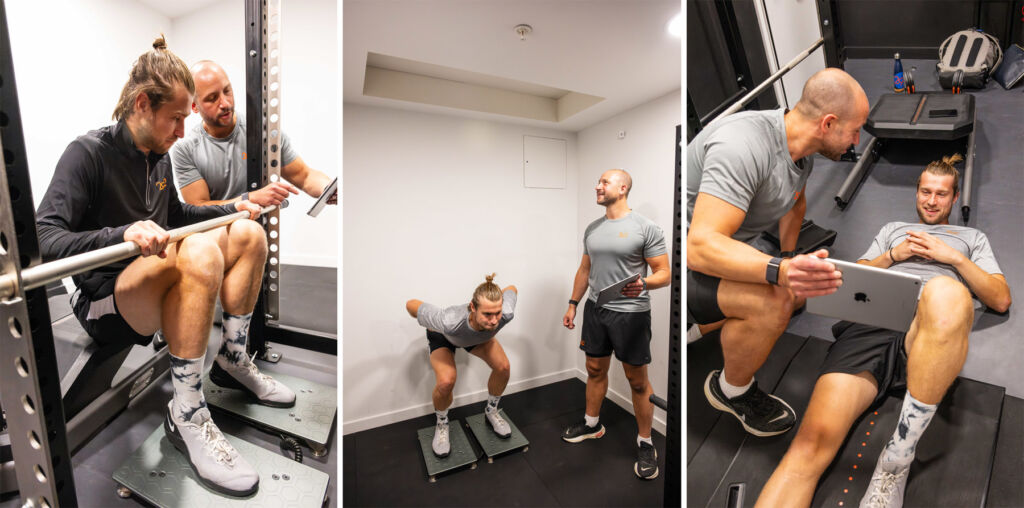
(490, 442)
(311, 419)
(161, 475)
(462, 452)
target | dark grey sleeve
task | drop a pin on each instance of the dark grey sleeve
(74, 183)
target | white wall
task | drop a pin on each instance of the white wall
(310, 79)
(432, 204)
(794, 27)
(648, 153)
(71, 59)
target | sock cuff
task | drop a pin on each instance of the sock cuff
(226, 315)
(920, 405)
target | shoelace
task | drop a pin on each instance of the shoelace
(886, 486)
(442, 433)
(498, 420)
(215, 442)
(255, 372)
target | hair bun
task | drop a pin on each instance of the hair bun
(490, 278)
(952, 159)
(160, 43)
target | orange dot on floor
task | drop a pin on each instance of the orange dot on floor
(863, 444)
(846, 491)
(872, 423)
(840, 503)
(855, 466)
(869, 433)
(876, 412)
(851, 478)
(858, 455)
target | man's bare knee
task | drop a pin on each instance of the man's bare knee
(446, 383)
(814, 446)
(249, 235)
(945, 304)
(595, 371)
(199, 258)
(778, 308)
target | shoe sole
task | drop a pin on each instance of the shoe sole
(491, 425)
(592, 435)
(179, 443)
(715, 403)
(221, 378)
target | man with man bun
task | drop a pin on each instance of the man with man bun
(472, 327)
(113, 185)
(865, 362)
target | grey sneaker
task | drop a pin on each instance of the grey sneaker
(886, 488)
(262, 388)
(441, 445)
(215, 462)
(498, 424)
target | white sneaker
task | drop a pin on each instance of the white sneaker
(498, 424)
(441, 445)
(886, 489)
(216, 463)
(261, 387)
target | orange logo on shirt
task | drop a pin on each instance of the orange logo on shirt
(162, 184)
(623, 234)
(245, 156)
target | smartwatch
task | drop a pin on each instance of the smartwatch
(771, 273)
(574, 302)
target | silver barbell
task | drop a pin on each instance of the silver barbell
(45, 273)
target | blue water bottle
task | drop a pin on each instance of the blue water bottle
(897, 76)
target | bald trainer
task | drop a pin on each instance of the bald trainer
(746, 174)
(210, 163)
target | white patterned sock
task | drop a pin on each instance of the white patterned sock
(187, 381)
(235, 334)
(914, 419)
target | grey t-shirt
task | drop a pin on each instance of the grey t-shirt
(453, 321)
(968, 241)
(744, 160)
(219, 161)
(617, 249)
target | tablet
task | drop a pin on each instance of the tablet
(321, 202)
(871, 296)
(614, 292)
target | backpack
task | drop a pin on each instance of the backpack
(966, 59)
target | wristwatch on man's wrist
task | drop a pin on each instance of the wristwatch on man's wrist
(771, 273)
(574, 302)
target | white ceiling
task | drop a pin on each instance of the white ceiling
(175, 8)
(616, 49)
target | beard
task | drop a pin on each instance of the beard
(938, 219)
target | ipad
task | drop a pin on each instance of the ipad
(871, 296)
(614, 292)
(321, 202)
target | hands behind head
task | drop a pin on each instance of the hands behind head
(151, 238)
(273, 194)
(808, 275)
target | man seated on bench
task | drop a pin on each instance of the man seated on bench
(864, 362)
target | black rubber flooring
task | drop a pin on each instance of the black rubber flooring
(972, 448)
(384, 467)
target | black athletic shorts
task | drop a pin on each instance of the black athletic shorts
(437, 340)
(860, 348)
(628, 334)
(702, 298)
(100, 318)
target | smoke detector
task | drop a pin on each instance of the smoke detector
(523, 30)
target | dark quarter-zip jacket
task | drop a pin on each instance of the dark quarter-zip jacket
(102, 184)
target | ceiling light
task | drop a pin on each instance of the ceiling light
(522, 30)
(675, 27)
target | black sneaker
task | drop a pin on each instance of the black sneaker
(579, 431)
(646, 467)
(760, 413)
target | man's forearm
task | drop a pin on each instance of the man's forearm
(883, 261)
(210, 202)
(579, 284)
(659, 279)
(720, 256)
